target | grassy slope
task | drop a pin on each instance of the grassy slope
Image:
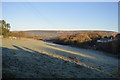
(28, 58)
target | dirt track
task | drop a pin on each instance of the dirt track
(28, 58)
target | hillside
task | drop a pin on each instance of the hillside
(46, 34)
(28, 58)
(89, 40)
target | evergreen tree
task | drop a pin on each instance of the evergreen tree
(4, 28)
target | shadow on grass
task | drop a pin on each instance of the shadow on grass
(84, 51)
(110, 48)
(20, 63)
(81, 53)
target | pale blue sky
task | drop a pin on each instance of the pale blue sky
(61, 15)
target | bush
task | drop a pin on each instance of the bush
(89, 40)
(111, 47)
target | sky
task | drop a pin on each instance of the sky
(61, 15)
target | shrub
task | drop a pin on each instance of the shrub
(111, 47)
(89, 40)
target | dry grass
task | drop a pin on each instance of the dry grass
(41, 59)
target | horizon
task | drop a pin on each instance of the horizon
(63, 30)
(68, 16)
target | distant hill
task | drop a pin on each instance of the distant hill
(46, 34)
